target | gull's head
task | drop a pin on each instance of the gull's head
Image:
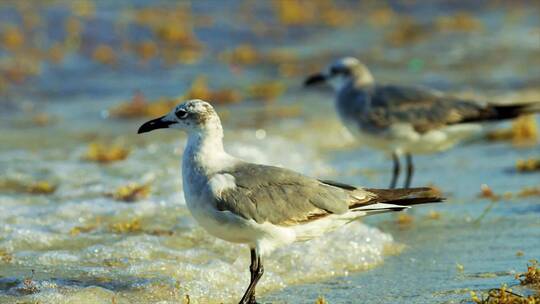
(192, 116)
(341, 73)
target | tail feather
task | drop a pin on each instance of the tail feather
(502, 112)
(373, 201)
(406, 197)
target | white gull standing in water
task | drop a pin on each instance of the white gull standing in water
(405, 119)
(262, 206)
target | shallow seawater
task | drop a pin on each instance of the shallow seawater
(79, 245)
(169, 256)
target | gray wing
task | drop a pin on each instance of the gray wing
(425, 109)
(281, 196)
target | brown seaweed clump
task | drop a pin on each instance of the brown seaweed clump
(131, 192)
(321, 300)
(105, 154)
(404, 220)
(531, 277)
(29, 187)
(524, 132)
(461, 21)
(200, 90)
(126, 227)
(408, 31)
(5, 256)
(528, 165)
(303, 13)
(104, 54)
(504, 295)
(487, 192)
(266, 91)
(529, 191)
(138, 107)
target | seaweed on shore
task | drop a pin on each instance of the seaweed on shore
(130, 192)
(105, 154)
(505, 295)
(36, 187)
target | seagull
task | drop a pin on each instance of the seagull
(264, 207)
(406, 119)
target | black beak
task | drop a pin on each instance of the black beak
(153, 124)
(314, 79)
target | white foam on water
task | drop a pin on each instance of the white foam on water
(145, 265)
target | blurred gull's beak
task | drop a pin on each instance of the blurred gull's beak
(315, 79)
(158, 123)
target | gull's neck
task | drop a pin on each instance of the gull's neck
(363, 79)
(355, 82)
(204, 152)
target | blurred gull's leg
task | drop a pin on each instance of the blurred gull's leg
(397, 168)
(410, 170)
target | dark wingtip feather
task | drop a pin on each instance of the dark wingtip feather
(408, 197)
(496, 112)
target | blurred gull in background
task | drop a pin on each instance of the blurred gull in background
(262, 206)
(406, 120)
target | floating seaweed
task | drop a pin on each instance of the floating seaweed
(461, 21)
(28, 186)
(321, 300)
(524, 132)
(504, 295)
(294, 12)
(199, 89)
(244, 54)
(5, 256)
(433, 215)
(138, 107)
(406, 32)
(28, 286)
(126, 227)
(487, 192)
(41, 187)
(131, 192)
(532, 276)
(42, 119)
(529, 191)
(404, 220)
(105, 154)
(146, 50)
(82, 229)
(381, 17)
(266, 91)
(528, 165)
(12, 38)
(104, 54)
(302, 13)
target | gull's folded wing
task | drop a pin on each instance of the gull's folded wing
(423, 108)
(281, 196)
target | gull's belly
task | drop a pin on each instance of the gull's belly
(233, 228)
(403, 137)
(221, 224)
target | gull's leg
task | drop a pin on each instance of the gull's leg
(397, 168)
(410, 170)
(256, 269)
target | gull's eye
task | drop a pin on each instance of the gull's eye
(339, 71)
(181, 114)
